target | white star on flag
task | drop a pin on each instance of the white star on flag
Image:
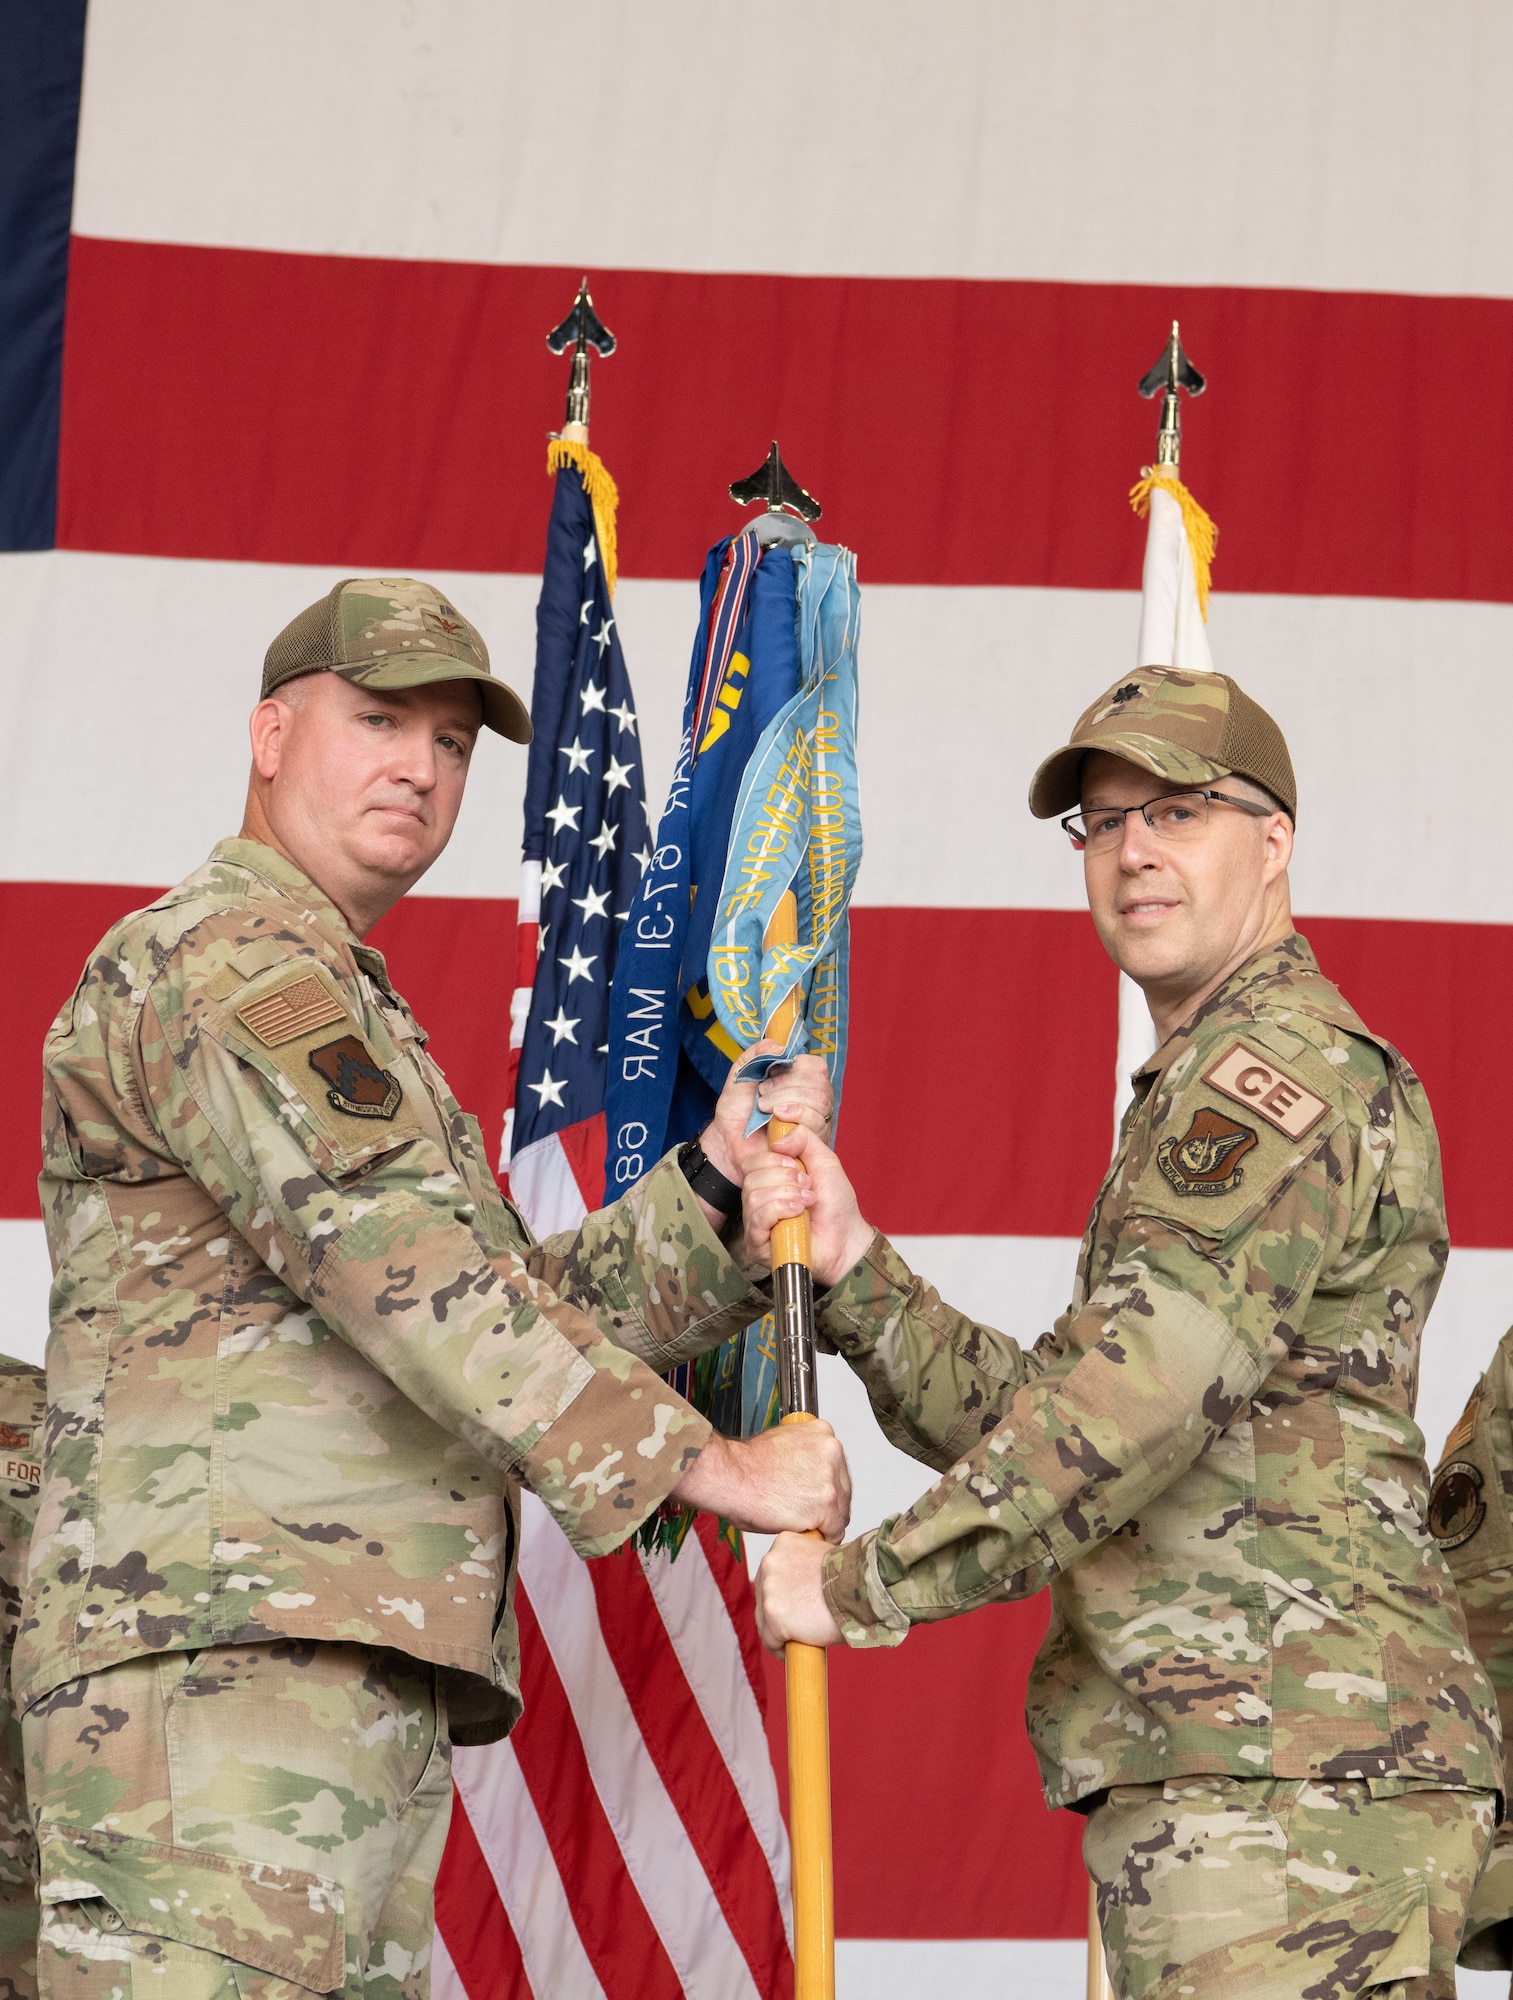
(603, 841)
(549, 1090)
(601, 637)
(594, 903)
(577, 757)
(590, 557)
(584, 609)
(553, 875)
(562, 814)
(642, 854)
(592, 697)
(577, 966)
(562, 1028)
(625, 715)
(617, 777)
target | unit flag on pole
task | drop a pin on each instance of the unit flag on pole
(798, 826)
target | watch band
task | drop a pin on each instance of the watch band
(707, 1182)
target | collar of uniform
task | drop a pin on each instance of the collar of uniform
(1290, 957)
(269, 866)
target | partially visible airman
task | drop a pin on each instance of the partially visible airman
(23, 1407)
(1471, 1517)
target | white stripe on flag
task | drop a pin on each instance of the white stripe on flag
(544, 1188)
(513, 1842)
(1418, 689)
(691, 1606)
(658, 1857)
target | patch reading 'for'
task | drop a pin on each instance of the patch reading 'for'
(1268, 1091)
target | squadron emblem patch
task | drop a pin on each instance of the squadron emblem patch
(1206, 1159)
(1456, 1508)
(358, 1086)
(13, 1439)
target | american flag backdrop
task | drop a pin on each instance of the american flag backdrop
(281, 319)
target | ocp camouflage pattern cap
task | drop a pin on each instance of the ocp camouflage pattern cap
(392, 632)
(1189, 728)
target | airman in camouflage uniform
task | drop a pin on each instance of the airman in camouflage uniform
(1256, 1684)
(303, 1355)
(23, 1402)
(1471, 1517)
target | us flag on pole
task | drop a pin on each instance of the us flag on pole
(626, 1841)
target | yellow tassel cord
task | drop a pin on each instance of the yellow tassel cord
(601, 490)
(1202, 535)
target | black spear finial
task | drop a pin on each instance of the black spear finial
(584, 328)
(1172, 372)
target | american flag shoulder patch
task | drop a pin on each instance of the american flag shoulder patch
(276, 1018)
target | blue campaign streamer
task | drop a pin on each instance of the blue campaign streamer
(664, 1069)
(798, 825)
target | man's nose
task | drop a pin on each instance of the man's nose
(414, 761)
(1137, 848)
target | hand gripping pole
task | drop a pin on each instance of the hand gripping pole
(808, 1686)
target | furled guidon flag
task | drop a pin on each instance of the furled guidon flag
(626, 1841)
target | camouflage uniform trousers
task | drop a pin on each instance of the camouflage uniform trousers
(242, 1823)
(1284, 1888)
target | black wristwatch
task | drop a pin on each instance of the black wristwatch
(707, 1182)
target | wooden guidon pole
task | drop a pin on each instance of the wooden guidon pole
(808, 1686)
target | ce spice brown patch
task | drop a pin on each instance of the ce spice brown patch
(358, 1086)
(1206, 1159)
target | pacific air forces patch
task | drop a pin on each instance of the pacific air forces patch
(1456, 1506)
(1206, 1159)
(358, 1086)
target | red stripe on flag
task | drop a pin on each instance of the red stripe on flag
(608, 1912)
(583, 1144)
(1022, 1124)
(690, 1765)
(201, 385)
(921, 1738)
(472, 1919)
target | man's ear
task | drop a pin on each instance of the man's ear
(1278, 837)
(266, 728)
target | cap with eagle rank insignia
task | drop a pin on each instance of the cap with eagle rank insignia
(393, 632)
(1188, 728)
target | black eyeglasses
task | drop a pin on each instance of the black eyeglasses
(1172, 816)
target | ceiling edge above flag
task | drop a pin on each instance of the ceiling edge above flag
(42, 62)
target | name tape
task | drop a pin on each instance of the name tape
(1261, 1087)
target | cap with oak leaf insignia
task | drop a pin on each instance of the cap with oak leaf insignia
(393, 632)
(1184, 727)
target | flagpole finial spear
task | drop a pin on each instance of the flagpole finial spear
(584, 328)
(774, 485)
(1172, 372)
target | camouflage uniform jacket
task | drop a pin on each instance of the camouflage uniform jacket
(302, 1350)
(1212, 1458)
(23, 1404)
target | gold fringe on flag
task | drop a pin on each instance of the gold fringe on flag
(603, 495)
(1202, 535)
